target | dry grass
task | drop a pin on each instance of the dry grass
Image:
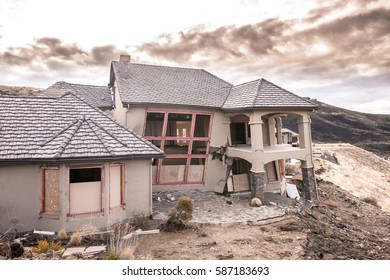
(75, 239)
(44, 246)
(119, 248)
(62, 235)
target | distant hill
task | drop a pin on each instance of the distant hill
(24, 91)
(331, 124)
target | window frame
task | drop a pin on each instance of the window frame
(122, 186)
(98, 212)
(189, 137)
(42, 211)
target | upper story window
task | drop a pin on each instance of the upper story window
(184, 137)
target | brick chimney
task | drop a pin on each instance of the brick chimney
(125, 58)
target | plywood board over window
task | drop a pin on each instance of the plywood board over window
(117, 191)
(85, 190)
(50, 196)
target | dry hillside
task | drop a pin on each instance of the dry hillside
(358, 171)
(23, 91)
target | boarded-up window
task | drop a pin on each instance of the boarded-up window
(50, 204)
(85, 190)
(117, 191)
(270, 169)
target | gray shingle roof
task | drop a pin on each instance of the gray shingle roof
(264, 94)
(100, 96)
(64, 128)
(150, 84)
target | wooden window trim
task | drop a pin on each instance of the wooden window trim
(42, 210)
(188, 156)
(122, 178)
(99, 212)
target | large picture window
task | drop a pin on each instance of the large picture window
(184, 137)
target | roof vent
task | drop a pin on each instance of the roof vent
(125, 58)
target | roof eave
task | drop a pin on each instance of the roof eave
(77, 159)
(157, 104)
(295, 108)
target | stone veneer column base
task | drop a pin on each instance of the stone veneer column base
(309, 183)
(257, 184)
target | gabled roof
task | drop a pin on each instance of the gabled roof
(100, 96)
(263, 94)
(66, 128)
(150, 84)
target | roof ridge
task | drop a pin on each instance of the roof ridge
(257, 91)
(304, 99)
(101, 139)
(62, 147)
(59, 133)
(76, 84)
(110, 134)
(215, 76)
(256, 80)
(176, 67)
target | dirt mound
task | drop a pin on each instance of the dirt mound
(358, 171)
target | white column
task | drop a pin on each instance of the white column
(279, 130)
(271, 131)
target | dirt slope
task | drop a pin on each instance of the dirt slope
(358, 171)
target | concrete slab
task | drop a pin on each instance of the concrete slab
(70, 251)
(95, 249)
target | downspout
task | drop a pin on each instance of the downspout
(128, 109)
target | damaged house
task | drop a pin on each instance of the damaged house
(96, 153)
(65, 163)
(216, 136)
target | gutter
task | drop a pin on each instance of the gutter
(77, 160)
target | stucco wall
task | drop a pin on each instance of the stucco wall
(119, 113)
(20, 198)
(19, 195)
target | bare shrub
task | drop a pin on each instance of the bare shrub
(119, 248)
(62, 235)
(180, 214)
(75, 239)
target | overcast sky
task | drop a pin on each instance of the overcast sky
(336, 51)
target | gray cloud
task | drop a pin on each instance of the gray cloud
(340, 46)
(56, 54)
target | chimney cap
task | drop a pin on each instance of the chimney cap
(125, 58)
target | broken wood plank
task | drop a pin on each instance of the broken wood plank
(141, 232)
(43, 232)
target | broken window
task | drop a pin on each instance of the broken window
(240, 130)
(183, 136)
(85, 190)
(117, 187)
(154, 124)
(50, 196)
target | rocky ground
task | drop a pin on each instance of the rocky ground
(339, 225)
